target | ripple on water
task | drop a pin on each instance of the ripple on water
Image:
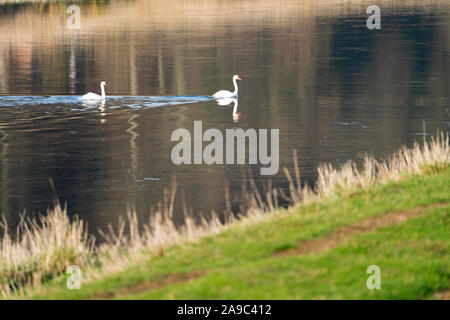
(113, 102)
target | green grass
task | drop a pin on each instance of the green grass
(246, 260)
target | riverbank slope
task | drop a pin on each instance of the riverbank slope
(316, 251)
(391, 216)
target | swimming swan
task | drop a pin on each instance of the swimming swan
(94, 96)
(228, 94)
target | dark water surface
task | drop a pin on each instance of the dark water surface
(312, 69)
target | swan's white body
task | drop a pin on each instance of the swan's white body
(228, 94)
(225, 101)
(94, 96)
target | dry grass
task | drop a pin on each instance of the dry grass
(124, 248)
(431, 155)
(42, 249)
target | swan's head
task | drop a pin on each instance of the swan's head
(236, 77)
(103, 83)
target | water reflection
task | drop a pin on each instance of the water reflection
(312, 69)
(228, 101)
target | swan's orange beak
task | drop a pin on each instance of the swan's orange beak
(238, 78)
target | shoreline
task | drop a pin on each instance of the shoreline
(37, 260)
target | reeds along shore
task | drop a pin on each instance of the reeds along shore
(42, 249)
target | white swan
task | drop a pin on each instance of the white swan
(94, 96)
(228, 94)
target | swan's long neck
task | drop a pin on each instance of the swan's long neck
(102, 86)
(235, 93)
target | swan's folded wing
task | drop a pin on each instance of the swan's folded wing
(91, 96)
(222, 94)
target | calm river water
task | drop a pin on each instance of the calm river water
(311, 69)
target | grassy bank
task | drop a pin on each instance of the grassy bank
(394, 214)
(321, 250)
